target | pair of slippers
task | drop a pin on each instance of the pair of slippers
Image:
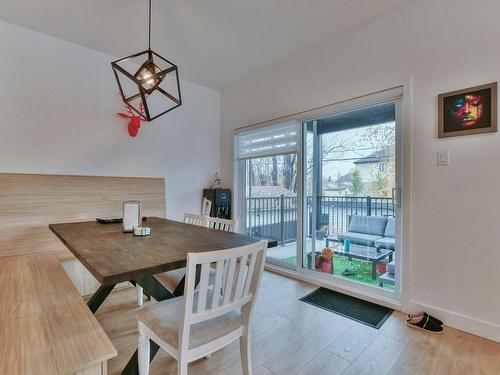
(424, 322)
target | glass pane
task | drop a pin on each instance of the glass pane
(349, 193)
(271, 204)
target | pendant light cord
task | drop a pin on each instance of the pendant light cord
(149, 22)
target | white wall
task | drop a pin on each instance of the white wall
(454, 252)
(58, 104)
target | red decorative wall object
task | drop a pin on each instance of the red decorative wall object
(135, 120)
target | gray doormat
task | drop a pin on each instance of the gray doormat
(361, 311)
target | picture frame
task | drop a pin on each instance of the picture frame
(468, 111)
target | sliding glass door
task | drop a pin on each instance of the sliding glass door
(350, 191)
(268, 188)
(327, 189)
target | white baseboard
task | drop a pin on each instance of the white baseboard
(459, 321)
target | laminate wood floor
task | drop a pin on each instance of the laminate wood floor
(292, 337)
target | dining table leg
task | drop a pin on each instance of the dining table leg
(374, 270)
(132, 367)
(179, 290)
(153, 288)
(99, 296)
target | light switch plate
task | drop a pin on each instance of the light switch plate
(443, 158)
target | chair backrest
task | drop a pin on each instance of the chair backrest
(368, 224)
(225, 225)
(195, 219)
(206, 207)
(238, 273)
(390, 229)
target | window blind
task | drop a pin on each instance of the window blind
(268, 141)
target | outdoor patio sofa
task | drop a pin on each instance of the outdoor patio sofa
(389, 239)
(373, 231)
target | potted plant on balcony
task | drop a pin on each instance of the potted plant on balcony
(326, 259)
(323, 260)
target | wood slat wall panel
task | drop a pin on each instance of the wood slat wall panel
(30, 202)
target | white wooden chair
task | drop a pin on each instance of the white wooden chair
(226, 225)
(208, 317)
(206, 207)
(195, 219)
(174, 276)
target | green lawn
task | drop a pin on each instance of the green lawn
(362, 270)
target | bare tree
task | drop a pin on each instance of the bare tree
(278, 170)
(290, 172)
(274, 171)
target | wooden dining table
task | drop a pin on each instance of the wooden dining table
(112, 256)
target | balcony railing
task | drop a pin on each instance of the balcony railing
(276, 217)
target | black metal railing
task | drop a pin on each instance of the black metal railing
(273, 218)
(276, 217)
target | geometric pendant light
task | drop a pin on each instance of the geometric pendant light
(147, 80)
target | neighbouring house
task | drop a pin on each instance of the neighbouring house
(375, 174)
(338, 187)
(374, 178)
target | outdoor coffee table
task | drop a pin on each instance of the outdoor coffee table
(366, 253)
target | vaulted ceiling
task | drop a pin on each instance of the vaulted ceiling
(217, 43)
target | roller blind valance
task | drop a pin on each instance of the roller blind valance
(271, 140)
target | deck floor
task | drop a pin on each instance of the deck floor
(292, 337)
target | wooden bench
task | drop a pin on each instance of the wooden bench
(46, 327)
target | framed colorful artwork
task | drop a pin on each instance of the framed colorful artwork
(468, 111)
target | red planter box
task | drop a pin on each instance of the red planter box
(382, 267)
(321, 264)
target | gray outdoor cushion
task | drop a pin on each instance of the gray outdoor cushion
(386, 243)
(391, 267)
(359, 238)
(390, 229)
(368, 225)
